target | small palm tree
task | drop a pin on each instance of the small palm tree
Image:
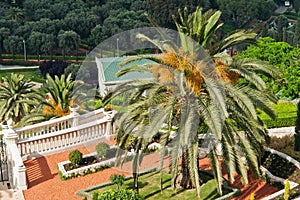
(60, 92)
(18, 97)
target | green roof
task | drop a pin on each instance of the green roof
(111, 67)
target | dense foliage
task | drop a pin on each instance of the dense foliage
(53, 68)
(55, 27)
(75, 157)
(286, 58)
(117, 194)
(101, 149)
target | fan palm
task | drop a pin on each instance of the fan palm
(18, 97)
(190, 92)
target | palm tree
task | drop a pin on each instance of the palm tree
(15, 13)
(189, 93)
(68, 40)
(18, 97)
(60, 92)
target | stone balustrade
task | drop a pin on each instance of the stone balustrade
(51, 137)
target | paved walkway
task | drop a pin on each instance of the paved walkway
(45, 184)
(10, 194)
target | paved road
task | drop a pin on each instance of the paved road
(16, 67)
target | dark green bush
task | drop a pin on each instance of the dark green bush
(117, 194)
(75, 157)
(101, 149)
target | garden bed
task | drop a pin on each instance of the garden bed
(149, 187)
(90, 164)
(281, 167)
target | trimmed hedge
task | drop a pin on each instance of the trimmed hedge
(280, 122)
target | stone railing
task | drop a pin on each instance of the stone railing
(59, 140)
(91, 116)
(59, 124)
(45, 128)
(51, 137)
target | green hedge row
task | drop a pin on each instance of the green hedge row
(35, 57)
(280, 122)
(18, 62)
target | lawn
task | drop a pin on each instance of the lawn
(32, 73)
(149, 187)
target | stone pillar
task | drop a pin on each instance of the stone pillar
(109, 128)
(22, 182)
(75, 115)
(10, 135)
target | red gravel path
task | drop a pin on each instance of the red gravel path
(45, 184)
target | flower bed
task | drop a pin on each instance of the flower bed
(89, 165)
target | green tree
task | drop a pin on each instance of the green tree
(281, 26)
(296, 38)
(18, 98)
(68, 40)
(241, 11)
(35, 42)
(15, 13)
(81, 22)
(96, 36)
(284, 57)
(13, 45)
(4, 33)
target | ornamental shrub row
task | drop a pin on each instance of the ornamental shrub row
(280, 122)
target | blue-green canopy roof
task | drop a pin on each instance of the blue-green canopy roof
(111, 67)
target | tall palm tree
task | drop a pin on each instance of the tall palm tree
(18, 97)
(189, 93)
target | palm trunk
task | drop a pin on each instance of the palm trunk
(186, 181)
(136, 182)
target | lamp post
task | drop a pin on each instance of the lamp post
(118, 47)
(24, 50)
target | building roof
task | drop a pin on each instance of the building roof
(110, 67)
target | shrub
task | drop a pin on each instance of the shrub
(117, 194)
(75, 157)
(101, 149)
(117, 179)
(280, 122)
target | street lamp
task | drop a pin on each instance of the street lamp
(118, 47)
(24, 50)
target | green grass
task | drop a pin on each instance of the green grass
(33, 74)
(149, 187)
